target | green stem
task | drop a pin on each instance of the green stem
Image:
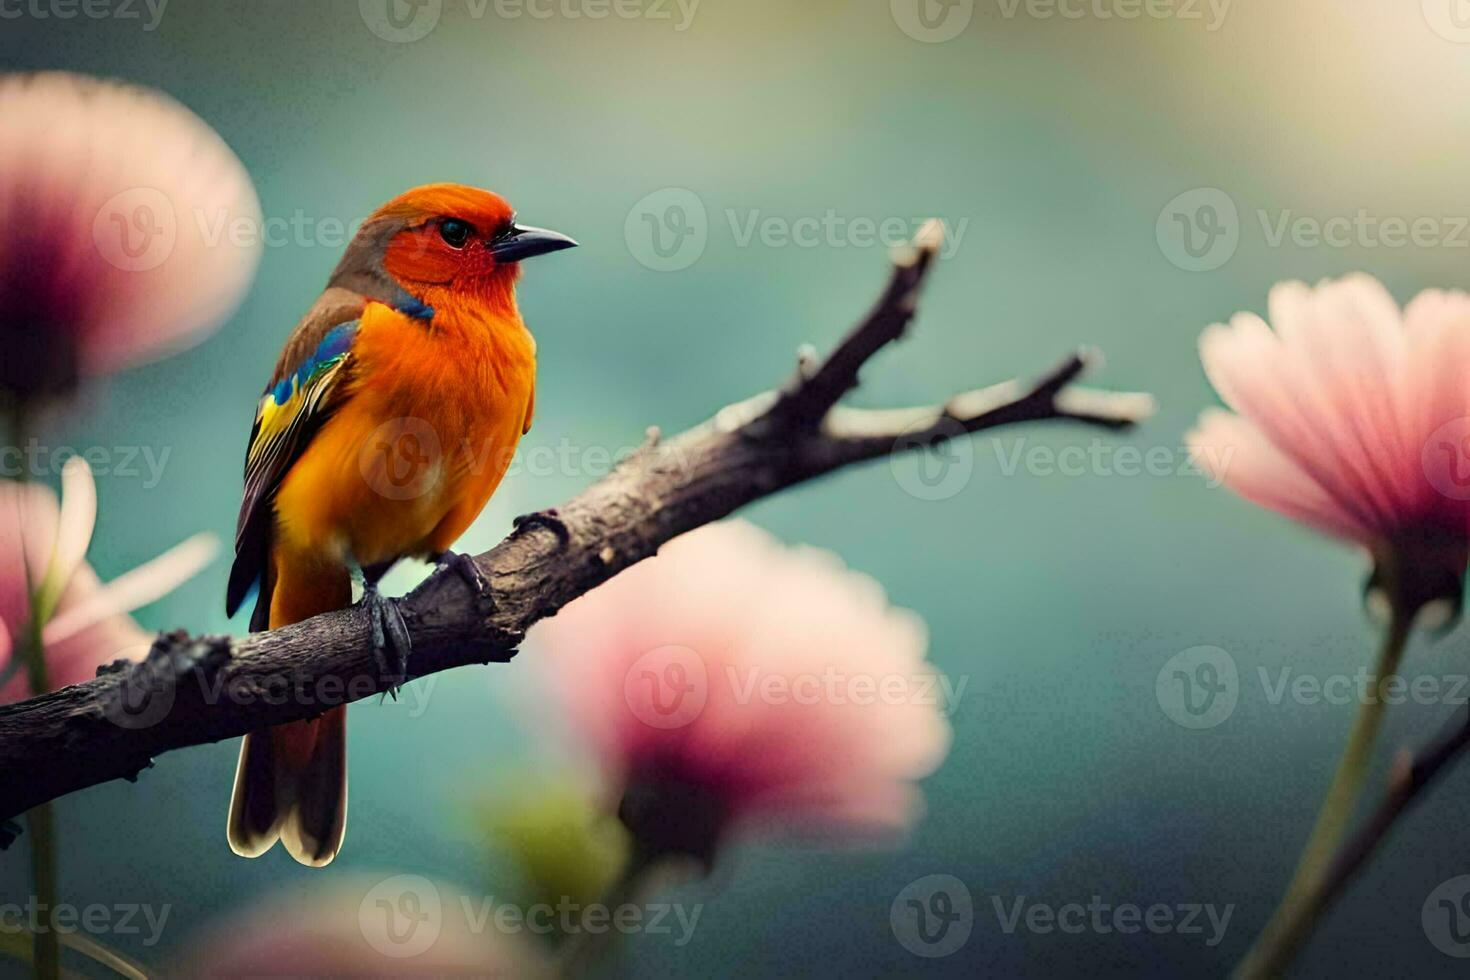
(585, 950)
(46, 963)
(1294, 920)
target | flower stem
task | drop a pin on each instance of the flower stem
(46, 963)
(1294, 920)
(586, 950)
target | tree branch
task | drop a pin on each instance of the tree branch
(192, 690)
(1413, 774)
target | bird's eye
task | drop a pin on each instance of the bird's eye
(455, 232)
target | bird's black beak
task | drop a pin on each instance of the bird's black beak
(522, 242)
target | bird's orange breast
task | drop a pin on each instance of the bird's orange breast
(431, 417)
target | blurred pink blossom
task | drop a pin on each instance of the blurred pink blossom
(89, 626)
(732, 681)
(1354, 419)
(364, 926)
(117, 206)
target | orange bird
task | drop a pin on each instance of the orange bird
(390, 420)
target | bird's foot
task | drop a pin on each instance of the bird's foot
(465, 566)
(391, 641)
(548, 519)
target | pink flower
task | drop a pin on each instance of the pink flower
(735, 682)
(120, 212)
(1355, 420)
(364, 926)
(89, 625)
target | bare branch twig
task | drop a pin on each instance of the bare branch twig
(1413, 774)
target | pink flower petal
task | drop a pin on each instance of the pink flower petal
(741, 611)
(78, 518)
(28, 528)
(1232, 451)
(118, 204)
(1340, 405)
(134, 589)
(75, 657)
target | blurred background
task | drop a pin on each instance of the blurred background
(1113, 174)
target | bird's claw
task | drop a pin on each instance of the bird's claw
(548, 519)
(468, 569)
(391, 638)
(465, 567)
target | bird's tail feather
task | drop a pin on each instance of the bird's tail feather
(291, 783)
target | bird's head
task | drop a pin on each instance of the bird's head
(443, 242)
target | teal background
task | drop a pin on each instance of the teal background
(1060, 598)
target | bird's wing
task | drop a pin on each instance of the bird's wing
(302, 395)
